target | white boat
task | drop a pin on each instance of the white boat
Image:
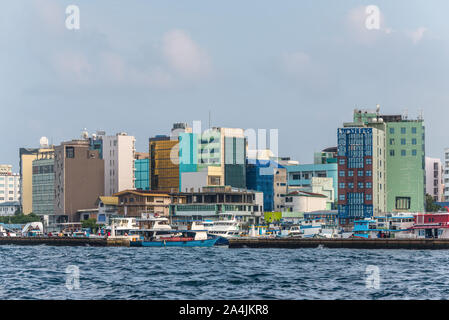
(121, 228)
(226, 226)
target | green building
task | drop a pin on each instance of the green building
(405, 159)
(405, 141)
(43, 186)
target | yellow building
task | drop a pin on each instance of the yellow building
(27, 155)
(164, 164)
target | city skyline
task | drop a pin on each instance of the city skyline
(298, 68)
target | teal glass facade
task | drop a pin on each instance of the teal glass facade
(142, 174)
(43, 186)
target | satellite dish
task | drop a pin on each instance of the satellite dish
(43, 142)
(84, 134)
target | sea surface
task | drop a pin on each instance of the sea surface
(44, 272)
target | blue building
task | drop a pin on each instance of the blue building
(301, 174)
(142, 174)
(260, 177)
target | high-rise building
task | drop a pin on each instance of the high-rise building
(164, 159)
(214, 158)
(118, 152)
(361, 171)
(43, 184)
(164, 164)
(434, 178)
(27, 156)
(405, 141)
(9, 184)
(79, 178)
(266, 176)
(142, 172)
(395, 148)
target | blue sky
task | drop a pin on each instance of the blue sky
(297, 66)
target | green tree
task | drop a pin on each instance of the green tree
(431, 206)
(20, 218)
(90, 223)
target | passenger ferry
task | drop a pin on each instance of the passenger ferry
(226, 226)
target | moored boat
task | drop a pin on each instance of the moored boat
(173, 238)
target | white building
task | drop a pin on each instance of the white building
(302, 201)
(118, 154)
(9, 208)
(9, 184)
(446, 175)
(434, 178)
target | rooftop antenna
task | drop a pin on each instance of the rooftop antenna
(209, 119)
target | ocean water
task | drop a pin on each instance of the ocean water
(44, 272)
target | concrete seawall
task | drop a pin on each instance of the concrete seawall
(59, 241)
(293, 243)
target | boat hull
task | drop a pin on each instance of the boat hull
(190, 243)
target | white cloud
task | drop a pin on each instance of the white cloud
(184, 56)
(73, 66)
(179, 59)
(417, 34)
(52, 14)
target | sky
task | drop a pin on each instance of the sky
(300, 67)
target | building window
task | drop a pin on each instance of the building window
(368, 173)
(403, 141)
(70, 152)
(351, 185)
(342, 174)
(391, 142)
(341, 197)
(341, 185)
(341, 161)
(368, 161)
(414, 152)
(403, 153)
(350, 173)
(414, 141)
(368, 185)
(360, 173)
(392, 153)
(413, 129)
(391, 130)
(403, 131)
(402, 203)
(369, 197)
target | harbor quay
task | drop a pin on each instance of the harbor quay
(416, 244)
(63, 241)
